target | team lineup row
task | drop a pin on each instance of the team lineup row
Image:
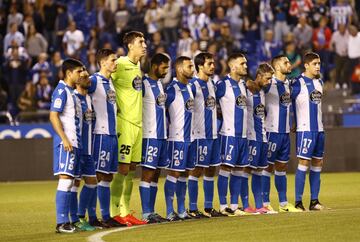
(108, 123)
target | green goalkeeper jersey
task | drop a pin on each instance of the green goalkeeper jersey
(127, 81)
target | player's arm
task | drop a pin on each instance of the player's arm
(93, 83)
(170, 95)
(219, 93)
(294, 92)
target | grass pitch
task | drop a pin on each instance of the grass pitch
(27, 213)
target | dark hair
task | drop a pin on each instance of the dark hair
(264, 68)
(70, 65)
(131, 36)
(159, 58)
(234, 56)
(102, 54)
(201, 58)
(276, 59)
(309, 57)
(179, 61)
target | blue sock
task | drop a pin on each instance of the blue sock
(193, 192)
(300, 182)
(314, 178)
(234, 189)
(144, 189)
(223, 182)
(85, 198)
(92, 205)
(208, 185)
(265, 185)
(180, 194)
(280, 184)
(169, 190)
(153, 192)
(74, 204)
(244, 190)
(256, 188)
(104, 199)
(62, 206)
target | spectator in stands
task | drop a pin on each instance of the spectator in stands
(26, 101)
(49, 16)
(268, 48)
(225, 41)
(73, 41)
(155, 42)
(353, 51)
(251, 14)
(184, 44)
(24, 26)
(35, 43)
(172, 17)
(303, 34)
(13, 35)
(299, 8)
(204, 40)
(220, 63)
(198, 20)
(62, 21)
(93, 41)
(41, 66)
(31, 10)
(339, 44)
(321, 42)
(294, 58)
(280, 10)
(120, 51)
(154, 17)
(233, 14)
(43, 92)
(194, 49)
(136, 21)
(91, 65)
(217, 22)
(106, 23)
(320, 9)
(121, 16)
(14, 17)
(186, 11)
(341, 13)
(355, 78)
(266, 17)
(55, 68)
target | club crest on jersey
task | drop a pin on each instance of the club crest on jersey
(241, 101)
(315, 96)
(137, 83)
(161, 99)
(89, 116)
(259, 110)
(111, 96)
(210, 102)
(189, 105)
(285, 99)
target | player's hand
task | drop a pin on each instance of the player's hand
(67, 145)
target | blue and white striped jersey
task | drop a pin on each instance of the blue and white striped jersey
(180, 109)
(306, 94)
(256, 116)
(277, 103)
(65, 102)
(205, 121)
(154, 112)
(231, 96)
(88, 118)
(103, 97)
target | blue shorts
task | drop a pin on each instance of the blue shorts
(105, 153)
(234, 151)
(257, 154)
(87, 166)
(310, 145)
(65, 162)
(178, 156)
(154, 153)
(205, 152)
(279, 147)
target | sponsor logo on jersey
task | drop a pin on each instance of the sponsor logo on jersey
(161, 99)
(241, 101)
(111, 96)
(285, 99)
(189, 105)
(57, 103)
(315, 96)
(210, 103)
(259, 110)
(137, 83)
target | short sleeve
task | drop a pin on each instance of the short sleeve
(220, 90)
(58, 100)
(170, 95)
(93, 83)
(294, 88)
